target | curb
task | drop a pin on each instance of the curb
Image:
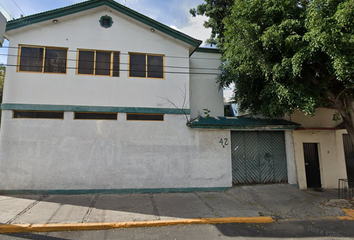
(25, 228)
(349, 214)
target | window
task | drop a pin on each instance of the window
(144, 117)
(38, 114)
(146, 65)
(106, 21)
(96, 116)
(102, 63)
(42, 59)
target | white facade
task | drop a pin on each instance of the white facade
(320, 130)
(204, 93)
(90, 154)
(83, 31)
(68, 154)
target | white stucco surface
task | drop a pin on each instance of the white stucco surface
(83, 31)
(331, 156)
(48, 154)
(204, 93)
(290, 156)
(89, 154)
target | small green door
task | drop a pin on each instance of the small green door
(258, 157)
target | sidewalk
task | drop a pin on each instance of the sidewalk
(260, 203)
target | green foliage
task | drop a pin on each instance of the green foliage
(207, 112)
(2, 79)
(216, 10)
(336, 117)
(285, 54)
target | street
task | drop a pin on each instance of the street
(323, 229)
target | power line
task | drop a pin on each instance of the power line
(18, 7)
(6, 11)
(131, 64)
(125, 54)
(120, 70)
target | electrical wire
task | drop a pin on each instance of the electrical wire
(18, 7)
(110, 69)
(124, 54)
(131, 64)
(7, 11)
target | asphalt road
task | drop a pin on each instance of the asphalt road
(343, 230)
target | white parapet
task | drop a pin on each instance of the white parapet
(3, 22)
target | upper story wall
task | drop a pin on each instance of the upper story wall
(323, 118)
(83, 31)
(204, 92)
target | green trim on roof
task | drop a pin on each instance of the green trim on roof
(79, 7)
(208, 50)
(81, 108)
(243, 123)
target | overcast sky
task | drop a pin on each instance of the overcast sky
(173, 13)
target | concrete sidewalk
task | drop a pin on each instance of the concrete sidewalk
(278, 201)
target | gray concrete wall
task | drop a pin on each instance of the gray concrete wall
(46, 154)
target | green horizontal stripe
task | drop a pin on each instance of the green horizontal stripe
(115, 191)
(245, 127)
(208, 50)
(79, 108)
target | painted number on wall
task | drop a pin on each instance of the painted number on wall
(224, 142)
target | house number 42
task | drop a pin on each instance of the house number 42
(224, 142)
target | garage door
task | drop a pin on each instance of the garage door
(258, 157)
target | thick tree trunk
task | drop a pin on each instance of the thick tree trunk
(348, 117)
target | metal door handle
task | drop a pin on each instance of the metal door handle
(306, 164)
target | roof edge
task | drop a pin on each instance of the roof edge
(79, 7)
(208, 50)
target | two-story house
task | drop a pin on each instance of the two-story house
(99, 97)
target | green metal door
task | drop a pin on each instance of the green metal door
(258, 157)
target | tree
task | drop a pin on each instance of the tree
(2, 79)
(287, 54)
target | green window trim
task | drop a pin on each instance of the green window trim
(106, 21)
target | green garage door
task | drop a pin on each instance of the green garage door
(258, 157)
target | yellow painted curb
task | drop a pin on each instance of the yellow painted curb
(346, 218)
(22, 228)
(350, 214)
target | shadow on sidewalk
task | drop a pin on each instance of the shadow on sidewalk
(247, 201)
(32, 236)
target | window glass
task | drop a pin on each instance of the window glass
(116, 64)
(144, 117)
(155, 66)
(86, 62)
(103, 63)
(96, 116)
(31, 59)
(55, 60)
(137, 67)
(38, 114)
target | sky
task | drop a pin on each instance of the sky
(173, 13)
